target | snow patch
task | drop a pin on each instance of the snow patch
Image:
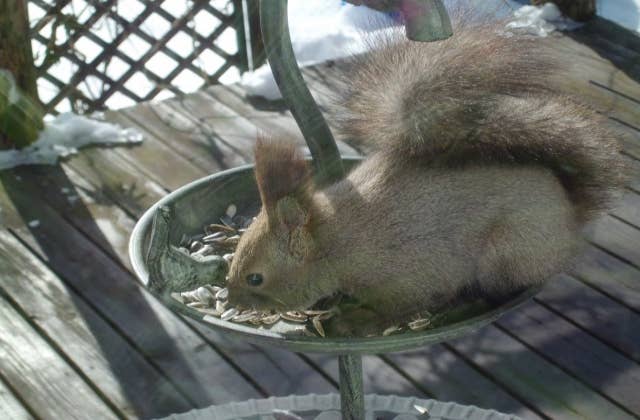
(63, 136)
(320, 30)
(541, 20)
(324, 30)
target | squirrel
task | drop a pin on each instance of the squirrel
(480, 181)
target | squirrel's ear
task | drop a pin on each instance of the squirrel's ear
(290, 214)
(280, 172)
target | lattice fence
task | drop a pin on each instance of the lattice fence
(97, 54)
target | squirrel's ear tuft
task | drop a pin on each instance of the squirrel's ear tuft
(280, 171)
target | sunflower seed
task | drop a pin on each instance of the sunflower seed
(422, 410)
(255, 321)
(222, 294)
(245, 316)
(196, 305)
(390, 330)
(221, 306)
(228, 257)
(188, 297)
(214, 238)
(204, 295)
(295, 316)
(195, 246)
(270, 319)
(204, 251)
(232, 240)
(215, 227)
(419, 324)
(317, 324)
(231, 210)
(228, 314)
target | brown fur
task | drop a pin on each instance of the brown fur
(485, 97)
(479, 184)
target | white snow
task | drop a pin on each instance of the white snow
(63, 136)
(323, 30)
(541, 20)
(320, 30)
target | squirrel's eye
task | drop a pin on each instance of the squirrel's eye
(254, 279)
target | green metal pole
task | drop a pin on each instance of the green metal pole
(351, 390)
(316, 132)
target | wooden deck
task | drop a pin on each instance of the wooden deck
(79, 338)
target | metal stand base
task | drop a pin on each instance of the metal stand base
(351, 391)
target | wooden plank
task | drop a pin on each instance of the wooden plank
(603, 317)
(118, 179)
(432, 372)
(10, 406)
(447, 377)
(113, 365)
(576, 352)
(586, 64)
(379, 377)
(180, 353)
(274, 371)
(270, 118)
(535, 380)
(611, 276)
(618, 237)
(628, 137)
(44, 380)
(279, 372)
(157, 160)
(218, 141)
(611, 42)
(634, 168)
(82, 205)
(628, 208)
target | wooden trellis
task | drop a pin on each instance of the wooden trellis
(69, 78)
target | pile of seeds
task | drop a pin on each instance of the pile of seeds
(222, 239)
(212, 302)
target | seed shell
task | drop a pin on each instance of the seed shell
(270, 319)
(245, 316)
(222, 294)
(228, 314)
(317, 324)
(221, 305)
(295, 316)
(390, 330)
(419, 324)
(204, 295)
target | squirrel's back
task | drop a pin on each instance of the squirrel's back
(481, 96)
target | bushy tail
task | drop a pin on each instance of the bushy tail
(481, 95)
